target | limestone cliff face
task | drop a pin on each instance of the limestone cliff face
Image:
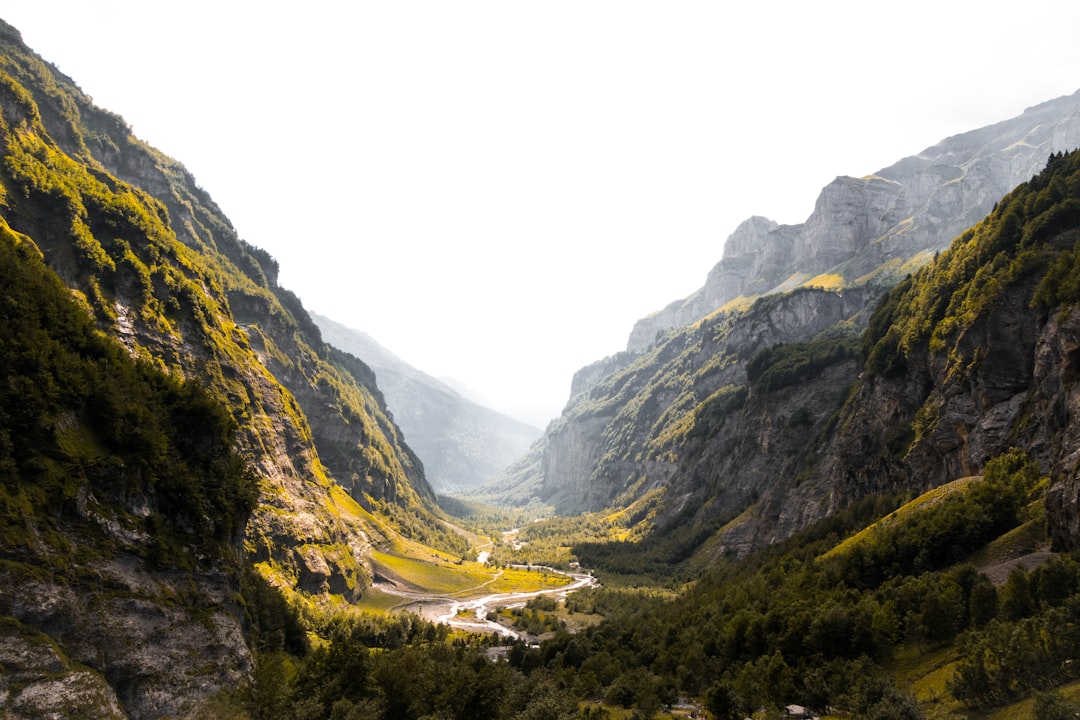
(950, 385)
(1021, 393)
(591, 374)
(869, 228)
(695, 430)
(462, 444)
(624, 437)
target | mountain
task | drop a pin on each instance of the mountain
(121, 509)
(461, 443)
(199, 442)
(731, 414)
(192, 481)
(868, 229)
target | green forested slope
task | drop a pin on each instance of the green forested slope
(119, 484)
(196, 416)
(82, 419)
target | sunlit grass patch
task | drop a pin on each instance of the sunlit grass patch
(521, 580)
(1022, 709)
(923, 501)
(1019, 541)
(928, 672)
(376, 600)
(826, 281)
(435, 575)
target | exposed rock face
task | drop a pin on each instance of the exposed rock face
(462, 444)
(623, 436)
(589, 375)
(872, 226)
(1002, 377)
(680, 432)
(279, 372)
(129, 648)
(36, 681)
(1022, 393)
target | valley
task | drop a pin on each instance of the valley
(469, 613)
(843, 475)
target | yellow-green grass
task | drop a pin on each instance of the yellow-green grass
(1027, 538)
(376, 600)
(518, 580)
(577, 621)
(1019, 710)
(927, 671)
(920, 503)
(826, 281)
(437, 575)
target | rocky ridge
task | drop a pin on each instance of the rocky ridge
(963, 362)
(871, 229)
(759, 414)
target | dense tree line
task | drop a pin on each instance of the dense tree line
(816, 621)
(1014, 242)
(790, 363)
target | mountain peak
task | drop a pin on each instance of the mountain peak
(866, 229)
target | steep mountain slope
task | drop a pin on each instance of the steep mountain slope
(974, 354)
(627, 438)
(154, 261)
(971, 356)
(461, 443)
(121, 505)
(737, 411)
(868, 228)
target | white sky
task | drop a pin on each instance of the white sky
(497, 190)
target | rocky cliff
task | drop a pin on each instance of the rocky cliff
(871, 228)
(461, 443)
(624, 439)
(972, 356)
(753, 422)
(158, 266)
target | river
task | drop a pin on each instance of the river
(471, 615)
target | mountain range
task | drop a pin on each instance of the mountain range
(197, 476)
(182, 302)
(685, 429)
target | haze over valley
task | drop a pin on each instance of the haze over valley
(839, 479)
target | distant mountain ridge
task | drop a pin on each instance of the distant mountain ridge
(732, 414)
(870, 229)
(461, 443)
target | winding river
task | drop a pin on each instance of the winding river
(471, 615)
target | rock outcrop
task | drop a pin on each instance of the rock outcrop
(626, 435)
(965, 361)
(768, 413)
